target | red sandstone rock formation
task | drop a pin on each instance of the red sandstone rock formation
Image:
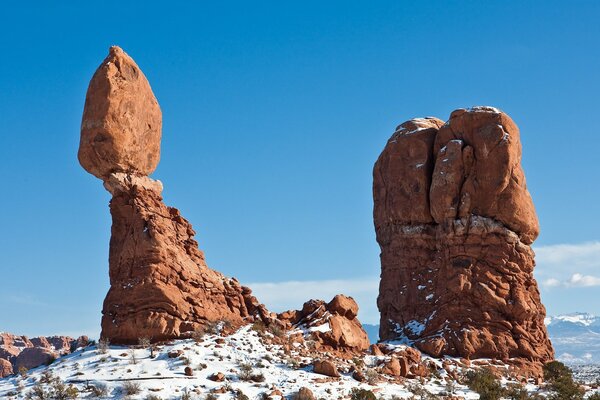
(6, 368)
(160, 285)
(122, 122)
(455, 222)
(20, 351)
(333, 326)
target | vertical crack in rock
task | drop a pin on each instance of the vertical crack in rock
(160, 285)
(455, 223)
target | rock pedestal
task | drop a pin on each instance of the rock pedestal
(160, 286)
(455, 222)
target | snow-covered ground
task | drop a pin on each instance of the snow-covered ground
(164, 377)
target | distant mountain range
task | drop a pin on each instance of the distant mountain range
(575, 337)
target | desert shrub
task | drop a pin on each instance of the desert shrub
(516, 392)
(185, 395)
(211, 328)
(144, 342)
(556, 370)
(211, 396)
(276, 330)
(245, 371)
(418, 390)
(257, 377)
(359, 362)
(239, 395)
(132, 357)
(47, 377)
(60, 391)
(153, 397)
(259, 326)
(23, 372)
(362, 394)
(562, 385)
(103, 345)
(372, 376)
(38, 392)
(198, 335)
(99, 390)
(130, 388)
(485, 383)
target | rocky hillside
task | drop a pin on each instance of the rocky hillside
(251, 363)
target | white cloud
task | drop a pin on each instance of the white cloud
(568, 265)
(568, 257)
(579, 280)
(552, 282)
(290, 295)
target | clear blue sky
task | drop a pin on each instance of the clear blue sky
(274, 113)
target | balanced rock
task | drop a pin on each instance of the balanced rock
(160, 285)
(455, 221)
(334, 325)
(122, 122)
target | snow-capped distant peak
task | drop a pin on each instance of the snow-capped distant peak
(584, 319)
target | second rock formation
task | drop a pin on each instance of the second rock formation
(455, 222)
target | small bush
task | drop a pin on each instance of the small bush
(103, 345)
(38, 392)
(47, 377)
(485, 383)
(99, 390)
(132, 357)
(211, 396)
(556, 370)
(239, 395)
(153, 397)
(516, 392)
(372, 376)
(62, 392)
(276, 330)
(185, 395)
(245, 371)
(362, 394)
(595, 396)
(212, 328)
(259, 326)
(23, 372)
(131, 388)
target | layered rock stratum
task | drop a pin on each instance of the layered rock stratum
(160, 285)
(455, 223)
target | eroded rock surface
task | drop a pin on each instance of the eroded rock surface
(122, 122)
(455, 222)
(22, 352)
(333, 326)
(160, 285)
